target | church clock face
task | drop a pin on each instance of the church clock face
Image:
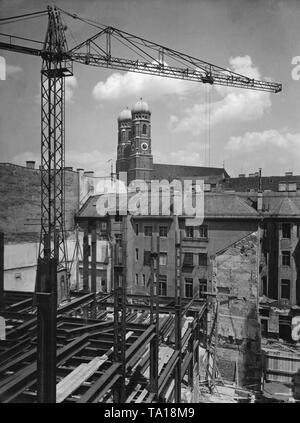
(144, 146)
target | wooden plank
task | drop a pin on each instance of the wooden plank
(133, 393)
(81, 374)
(142, 396)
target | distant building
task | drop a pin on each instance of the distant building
(134, 152)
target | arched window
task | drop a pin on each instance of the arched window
(144, 130)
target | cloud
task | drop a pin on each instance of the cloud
(252, 150)
(7, 70)
(90, 160)
(2, 69)
(250, 141)
(193, 154)
(12, 69)
(70, 85)
(118, 86)
(236, 104)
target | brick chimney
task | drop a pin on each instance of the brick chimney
(30, 164)
(89, 173)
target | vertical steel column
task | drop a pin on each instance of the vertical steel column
(46, 298)
(120, 268)
(154, 344)
(152, 260)
(2, 305)
(94, 272)
(86, 254)
(178, 269)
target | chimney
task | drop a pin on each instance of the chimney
(80, 169)
(242, 175)
(288, 173)
(259, 201)
(89, 173)
(68, 168)
(30, 164)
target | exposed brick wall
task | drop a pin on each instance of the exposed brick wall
(20, 201)
(235, 270)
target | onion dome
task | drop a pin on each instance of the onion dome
(125, 115)
(141, 106)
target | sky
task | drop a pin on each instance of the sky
(242, 130)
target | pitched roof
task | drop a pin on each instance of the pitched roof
(227, 206)
(282, 206)
(170, 172)
(216, 205)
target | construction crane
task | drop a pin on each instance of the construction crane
(57, 64)
(101, 50)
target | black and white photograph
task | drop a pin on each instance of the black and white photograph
(150, 204)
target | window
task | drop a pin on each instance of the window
(189, 231)
(136, 254)
(120, 280)
(285, 289)
(118, 217)
(202, 259)
(286, 258)
(144, 130)
(136, 278)
(136, 228)
(264, 327)
(189, 288)
(163, 231)
(162, 285)
(188, 259)
(286, 230)
(163, 259)
(147, 258)
(264, 285)
(148, 230)
(144, 280)
(285, 328)
(118, 238)
(103, 226)
(203, 231)
(202, 287)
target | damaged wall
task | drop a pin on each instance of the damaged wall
(236, 282)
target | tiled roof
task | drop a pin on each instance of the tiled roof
(170, 172)
(243, 184)
(281, 206)
(216, 205)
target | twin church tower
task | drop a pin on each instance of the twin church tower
(134, 143)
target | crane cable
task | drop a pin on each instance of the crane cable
(207, 125)
(23, 17)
